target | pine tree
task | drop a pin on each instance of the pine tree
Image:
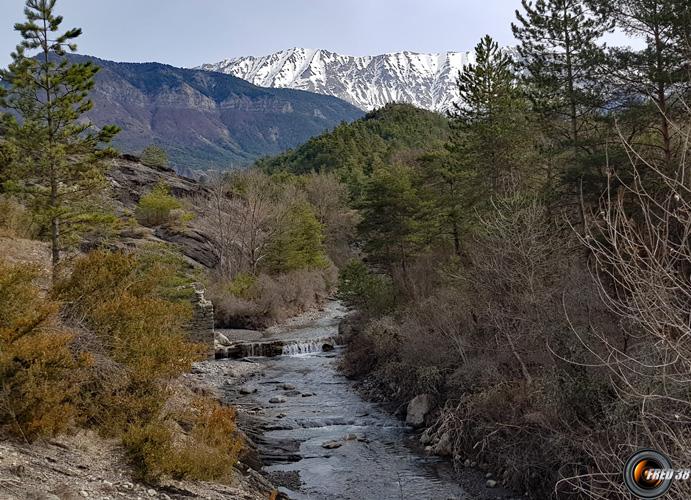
(490, 141)
(660, 72)
(560, 54)
(57, 161)
(394, 226)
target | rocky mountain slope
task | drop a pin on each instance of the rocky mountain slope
(368, 82)
(207, 120)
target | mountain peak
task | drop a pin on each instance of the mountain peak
(426, 80)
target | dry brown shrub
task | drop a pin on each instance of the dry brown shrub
(40, 376)
(272, 298)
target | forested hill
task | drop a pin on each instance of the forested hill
(203, 119)
(360, 146)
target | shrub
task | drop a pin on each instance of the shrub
(15, 219)
(156, 208)
(120, 298)
(207, 452)
(154, 156)
(243, 286)
(265, 299)
(39, 374)
(371, 293)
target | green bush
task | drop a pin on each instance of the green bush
(154, 156)
(243, 286)
(156, 208)
(371, 293)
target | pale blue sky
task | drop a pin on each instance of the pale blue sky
(190, 32)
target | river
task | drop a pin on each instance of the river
(320, 440)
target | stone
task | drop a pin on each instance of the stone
(491, 483)
(287, 387)
(281, 415)
(84, 494)
(327, 347)
(277, 399)
(444, 448)
(291, 394)
(151, 492)
(221, 339)
(418, 409)
(330, 445)
(350, 437)
(466, 463)
(307, 394)
(247, 390)
(488, 475)
(426, 437)
(473, 464)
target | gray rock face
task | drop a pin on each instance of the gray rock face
(418, 409)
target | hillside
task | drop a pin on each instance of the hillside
(366, 143)
(206, 120)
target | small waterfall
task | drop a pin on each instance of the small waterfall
(276, 348)
(309, 346)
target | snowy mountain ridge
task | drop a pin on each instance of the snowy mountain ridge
(368, 82)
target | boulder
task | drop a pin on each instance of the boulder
(221, 339)
(444, 447)
(418, 409)
(277, 399)
(330, 445)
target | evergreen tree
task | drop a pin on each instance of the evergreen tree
(659, 73)
(57, 161)
(490, 141)
(393, 226)
(560, 54)
(299, 244)
(489, 120)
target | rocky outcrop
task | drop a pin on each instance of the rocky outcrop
(418, 409)
(130, 180)
(194, 243)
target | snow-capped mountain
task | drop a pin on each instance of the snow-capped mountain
(368, 82)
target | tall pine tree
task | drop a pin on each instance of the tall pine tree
(57, 161)
(490, 140)
(560, 54)
(659, 73)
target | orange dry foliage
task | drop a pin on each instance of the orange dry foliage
(39, 374)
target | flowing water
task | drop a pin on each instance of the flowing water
(308, 405)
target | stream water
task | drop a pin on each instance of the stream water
(325, 440)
